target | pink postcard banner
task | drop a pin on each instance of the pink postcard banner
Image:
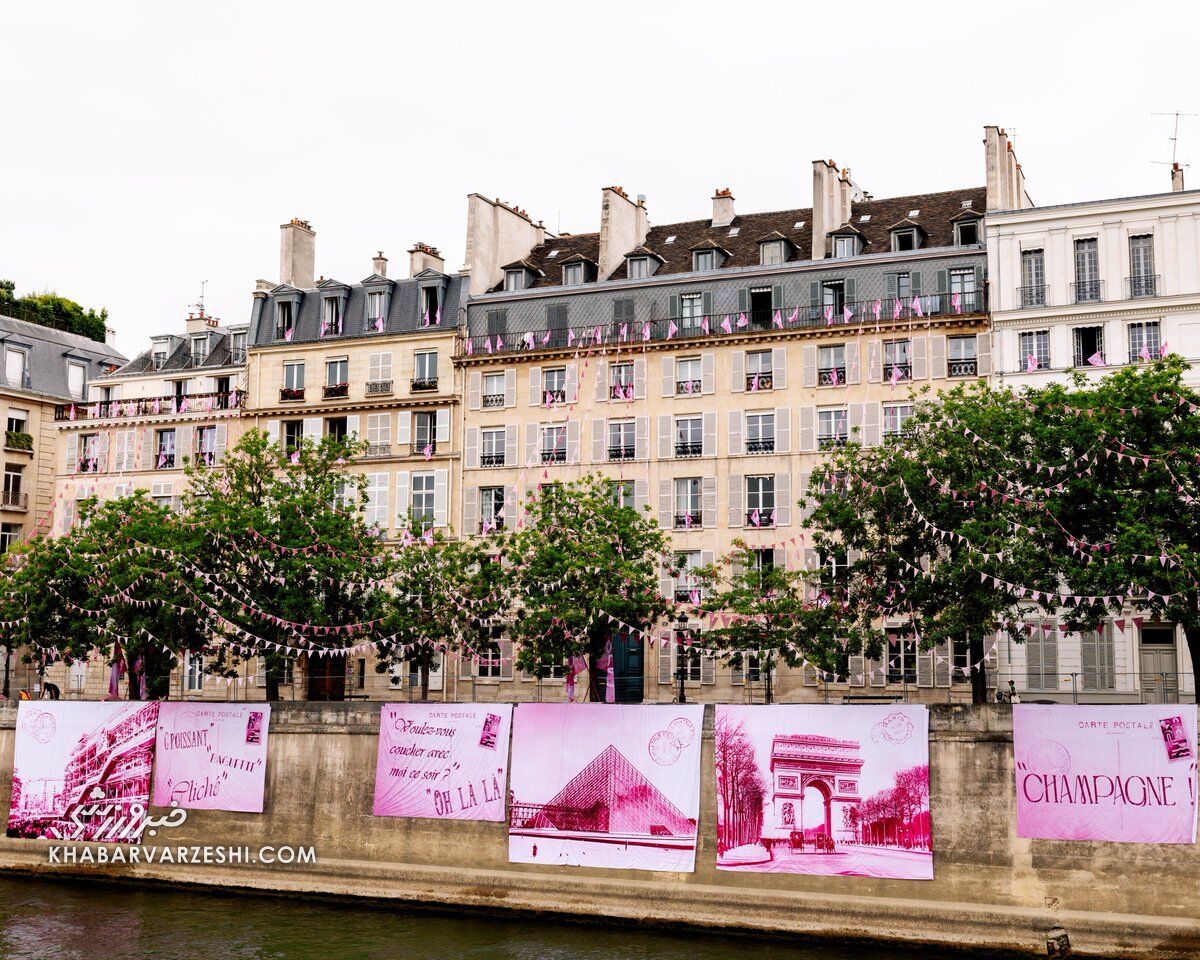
(599, 785)
(443, 761)
(211, 756)
(81, 770)
(1119, 773)
(824, 789)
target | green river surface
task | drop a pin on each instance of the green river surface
(56, 920)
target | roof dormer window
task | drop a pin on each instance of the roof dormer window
(160, 359)
(966, 233)
(515, 280)
(771, 253)
(638, 267)
(284, 320)
(572, 274)
(845, 246)
(331, 316)
(199, 348)
(904, 240)
(703, 259)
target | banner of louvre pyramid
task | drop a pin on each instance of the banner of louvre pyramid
(595, 785)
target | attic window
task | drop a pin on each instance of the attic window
(552, 254)
(865, 218)
(283, 320)
(904, 240)
(734, 231)
(771, 253)
(703, 259)
(799, 225)
(572, 274)
(914, 213)
(160, 359)
(514, 279)
(638, 267)
(670, 239)
(199, 348)
(966, 204)
(845, 246)
(966, 233)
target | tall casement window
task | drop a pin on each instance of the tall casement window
(284, 320)
(376, 304)
(1087, 270)
(688, 503)
(691, 308)
(760, 501)
(833, 427)
(1142, 281)
(572, 274)
(689, 378)
(492, 446)
(962, 286)
(689, 436)
(1034, 349)
(1033, 278)
(1144, 341)
(331, 316)
(491, 509)
(422, 506)
(622, 439)
(76, 380)
(703, 259)
(760, 432)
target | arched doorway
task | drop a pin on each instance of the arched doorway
(816, 809)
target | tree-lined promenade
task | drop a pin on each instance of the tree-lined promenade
(987, 510)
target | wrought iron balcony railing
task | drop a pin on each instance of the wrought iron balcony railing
(963, 368)
(1035, 295)
(290, 394)
(335, 391)
(688, 449)
(422, 448)
(685, 388)
(759, 381)
(761, 517)
(14, 499)
(830, 442)
(621, 451)
(761, 445)
(1143, 286)
(375, 450)
(831, 376)
(379, 388)
(491, 459)
(554, 456)
(1087, 291)
(423, 384)
(493, 399)
(685, 521)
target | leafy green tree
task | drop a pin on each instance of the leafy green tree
(580, 558)
(52, 310)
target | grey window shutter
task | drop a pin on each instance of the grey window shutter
(601, 381)
(737, 515)
(779, 368)
(673, 307)
(666, 504)
(708, 373)
(668, 376)
(871, 424)
(783, 429)
(853, 366)
(531, 443)
(808, 355)
(471, 448)
(857, 667)
(706, 304)
(924, 668)
(937, 356)
(442, 425)
(874, 361)
(777, 297)
(441, 497)
(572, 383)
(599, 440)
(573, 441)
(708, 501)
(639, 379)
(983, 353)
(535, 387)
(470, 519)
(890, 285)
(510, 446)
(1050, 657)
(735, 433)
(474, 390)
(977, 305)
(641, 495)
(854, 421)
(511, 501)
(920, 368)
(942, 676)
(850, 292)
(814, 297)
(404, 427)
(737, 378)
(743, 300)
(708, 668)
(665, 436)
(72, 464)
(943, 282)
(510, 388)
(783, 499)
(665, 649)
(878, 670)
(808, 429)
(1089, 647)
(709, 440)
(914, 279)
(641, 434)
(222, 443)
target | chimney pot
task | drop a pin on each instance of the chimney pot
(379, 264)
(1176, 178)
(424, 257)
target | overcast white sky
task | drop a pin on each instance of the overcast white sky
(149, 146)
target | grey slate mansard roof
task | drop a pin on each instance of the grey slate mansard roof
(48, 352)
(179, 359)
(403, 314)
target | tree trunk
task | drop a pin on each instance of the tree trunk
(1191, 632)
(424, 679)
(979, 692)
(7, 661)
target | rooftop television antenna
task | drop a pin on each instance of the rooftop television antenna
(1174, 135)
(199, 305)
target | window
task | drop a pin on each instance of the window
(688, 508)
(165, 449)
(963, 297)
(703, 259)
(554, 385)
(424, 431)
(337, 372)
(1087, 270)
(89, 452)
(222, 386)
(514, 280)
(199, 349)
(14, 367)
(1033, 278)
(293, 433)
(18, 420)
(895, 418)
(638, 267)
(76, 379)
(963, 360)
(622, 492)
(620, 381)
(690, 659)
(845, 246)
(901, 657)
(897, 360)
(14, 474)
(1089, 346)
(691, 306)
(431, 305)
(622, 442)
(180, 387)
(1034, 347)
(760, 501)
(771, 253)
(761, 299)
(554, 443)
(293, 375)
(283, 320)
(689, 436)
(379, 373)
(159, 358)
(331, 316)
(10, 533)
(903, 287)
(336, 428)
(342, 497)
(488, 660)
(832, 427)
(760, 432)
(759, 372)
(238, 349)
(688, 376)
(966, 233)
(206, 445)
(904, 240)
(422, 503)
(193, 671)
(376, 304)
(833, 297)
(1144, 342)
(493, 389)
(376, 512)
(572, 274)
(831, 363)
(379, 434)
(492, 454)
(1142, 281)
(686, 582)
(425, 370)
(491, 509)
(1041, 658)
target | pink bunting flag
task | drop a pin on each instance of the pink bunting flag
(1031, 363)
(428, 451)
(741, 320)
(437, 319)
(672, 329)
(754, 384)
(754, 517)
(570, 337)
(296, 457)
(1144, 353)
(545, 338)
(829, 316)
(897, 308)
(877, 308)
(470, 347)
(1162, 351)
(834, 379)
(598, 336)
(896, 377)
(425, 319)
(916, 306)
(777, 319)
(956, 302)
(287, 335)
(794, 315)
(704, 325)
(726, 325)
(645, 333)
(624, 332)
(1096, 359)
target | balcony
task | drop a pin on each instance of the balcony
(491, 459)
(493, 399)
(620, 391)
(550, 397)
(423, 448)
(554, 456)
(1087, 291)
(18, 440)
(832, 442)
(761, 445)
(831, 376)
(761, 517)
(897, 371)
(759, 381)
(1144, 286)
(291, 394)
(684, 388)
(424, 384)
(685, 521)
(688, 449)
(153, 406)
(621, 451)
(375, 450)
(14, 500)
(963, 368)
(379, 388)
(1035, 295)
(335, 391)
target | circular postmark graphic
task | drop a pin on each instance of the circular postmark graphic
(894, 728)
(682, 732)
(664, 749)
(1048, 756)
(41, 726)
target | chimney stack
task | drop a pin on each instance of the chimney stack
(497, 233)
(198, 323)
(1176, 178)
(722, 207)
(424, 257)
(1005, 179)
(379, 265)
(297, 253)
(623, 226)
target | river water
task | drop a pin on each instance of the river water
(54, 920)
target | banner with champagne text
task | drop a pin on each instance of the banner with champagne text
(600, 785)
(814, 788)
(443, 761)
(1119, 773)
(81, 770)
(211, 756)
